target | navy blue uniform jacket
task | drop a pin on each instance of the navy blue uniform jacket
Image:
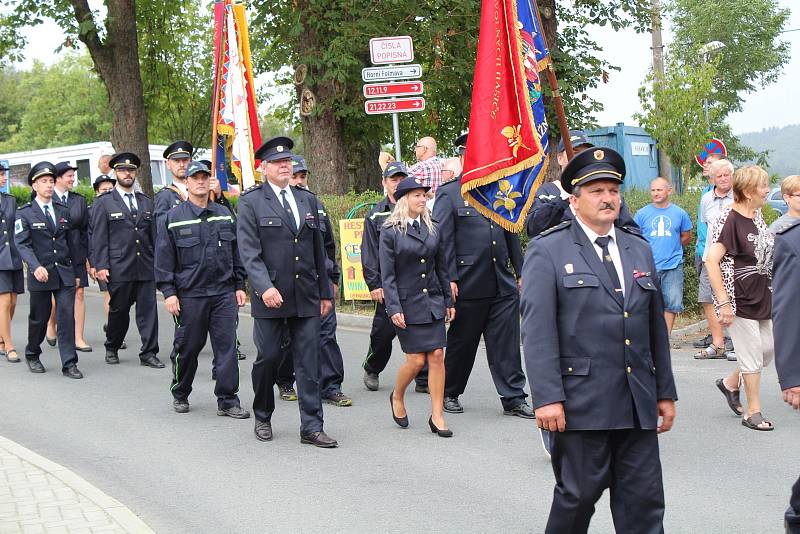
(414, 272)
(10, 260)
(122, 243)
(274, 256)
(79, 221)
(602, 359)
(477, 250)
(40, 246)
(196, 252)
(785, 310)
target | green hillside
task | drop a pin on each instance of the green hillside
(782, 143)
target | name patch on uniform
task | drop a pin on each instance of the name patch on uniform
(569, 268)
(38, 225)
(17, 226)
(185, 231)
(115, 215)
(309, 217)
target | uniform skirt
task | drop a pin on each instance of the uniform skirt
(417, 338)
(84, 279)
(12, 282)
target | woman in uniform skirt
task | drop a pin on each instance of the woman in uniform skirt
(416, 290)
(12, 281)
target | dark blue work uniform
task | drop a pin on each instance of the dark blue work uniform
(277, 252)
(606, 357)
(12, 279)
(785, 321)
(549, 209)
(79, 219)
(123, 242)
(382, 333)
(480, 256)
(197, 260)
(52, 245)
(331, 363)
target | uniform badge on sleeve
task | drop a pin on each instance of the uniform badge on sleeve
(569, 268)
(17, 226)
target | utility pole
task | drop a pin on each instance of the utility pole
(664, 165)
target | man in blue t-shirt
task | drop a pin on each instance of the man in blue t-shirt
(667, 228)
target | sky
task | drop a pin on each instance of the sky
(768, 107)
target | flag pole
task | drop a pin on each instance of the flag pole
(553, 82)
(217, 79)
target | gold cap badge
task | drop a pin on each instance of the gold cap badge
(599, 155)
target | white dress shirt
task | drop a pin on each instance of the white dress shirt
(122, 193)
(62, 196)
(289, 197)
(50, 211)
(612, 249)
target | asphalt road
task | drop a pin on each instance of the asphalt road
(198, 473)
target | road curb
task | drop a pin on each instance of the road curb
(118, 511)
(690, 329)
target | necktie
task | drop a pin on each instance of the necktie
(608, 263)
(50, 221)
(64, 199)
(415, 225)
(288, 209)
(129, 196)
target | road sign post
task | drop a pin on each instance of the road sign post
(383, 90)
(383, 50)
(391, 73)
(394, 105)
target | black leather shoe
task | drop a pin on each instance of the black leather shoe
(87, 348)
(442, 433)
(180, 406)
(35, 365)
(402, 422)
(319, 439)
(237, 412)
(51, 341)
(371, 381)
(421, 389)
(521, 410)
(452, 405)
(111, 357)
(263, 431)
(72, 372)
(152, 361)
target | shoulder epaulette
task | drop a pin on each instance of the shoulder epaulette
(294, 187)
(380, 214)
(633, 230)
(76, 194)
(787, 227)
(556, 228)
(251, 189)
(26, 205)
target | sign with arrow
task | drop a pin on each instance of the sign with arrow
(398, 72)
(378, 90)
(395, 105)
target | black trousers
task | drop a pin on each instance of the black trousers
(200, 317)
(39, 314)
(380, 345)
(304, 347)
(792, 515)
(586, 462)
(497, 319)
(123, 296)
(331, 364)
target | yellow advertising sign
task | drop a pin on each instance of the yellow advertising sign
(350, 231)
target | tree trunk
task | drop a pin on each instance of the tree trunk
(547, 15)
(363, 165)
(117, 62)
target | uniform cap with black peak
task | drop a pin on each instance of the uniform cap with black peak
(275, 149)
(43, 168)
(591, 165)
(125, 160)
(179, 150)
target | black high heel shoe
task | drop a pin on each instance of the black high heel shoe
(402, 422)
(441, 433)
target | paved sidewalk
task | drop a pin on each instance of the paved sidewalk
(39, 496)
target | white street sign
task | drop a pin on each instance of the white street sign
(391, 50)
(398, 72)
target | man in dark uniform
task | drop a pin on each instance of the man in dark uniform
(282, 249)
(123, 239)
(785, 318)
(597, 355)
(49, 245)
(178, 155)
(486, 296)
(79, 218)
(383, 332)
(551, 202)
(198, 271)
(216, 195)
